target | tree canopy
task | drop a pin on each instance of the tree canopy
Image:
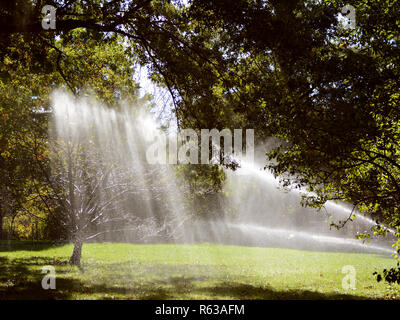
(287, 69)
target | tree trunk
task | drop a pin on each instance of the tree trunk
(76, 254)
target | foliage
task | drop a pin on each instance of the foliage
(284, 68)
(331, 95)
(32, 65)
(202, 187)
(391, 275)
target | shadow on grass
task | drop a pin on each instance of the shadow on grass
(19, 245)
(21, 279)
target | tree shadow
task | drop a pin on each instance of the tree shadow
(19, 245)
(19, 282)
(21, 279)
(242, 291)
(238, 291)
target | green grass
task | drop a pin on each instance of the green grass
(203, 271)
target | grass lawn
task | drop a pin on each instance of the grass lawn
(203, 271)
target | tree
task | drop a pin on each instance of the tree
(95, 174)
(31, 66)
(88, 187)
(330, 95)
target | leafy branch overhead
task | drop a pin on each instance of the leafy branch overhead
(288, 69)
